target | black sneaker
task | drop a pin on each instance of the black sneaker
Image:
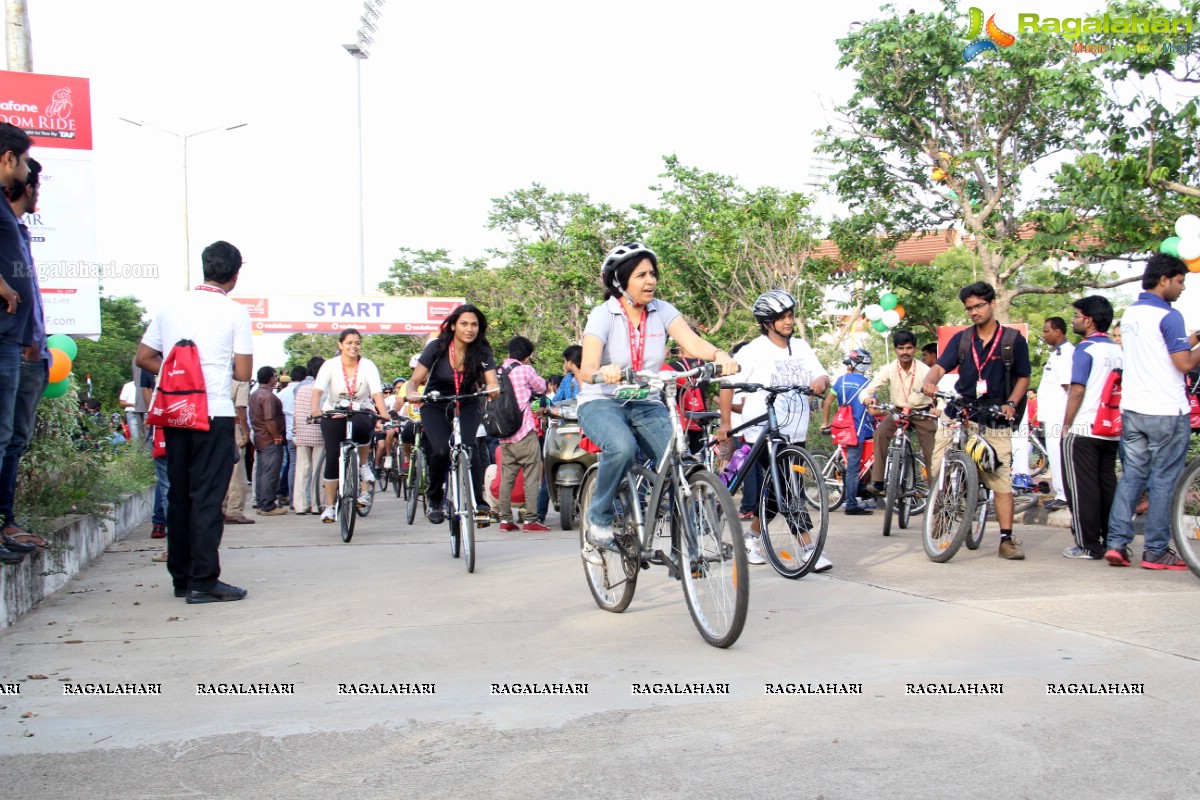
(437, 514)
(219, 593)
(858, 512)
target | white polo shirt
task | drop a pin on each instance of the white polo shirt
(1150, 331)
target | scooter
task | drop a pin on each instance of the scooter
(563, 461)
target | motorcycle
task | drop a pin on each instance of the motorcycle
(563, 461)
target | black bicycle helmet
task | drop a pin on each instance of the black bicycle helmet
(772, 305)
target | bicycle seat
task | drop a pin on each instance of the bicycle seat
(702, 416)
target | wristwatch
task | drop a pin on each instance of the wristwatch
(1012, 404)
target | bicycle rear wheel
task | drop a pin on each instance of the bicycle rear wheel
(416, 484)
(466, 501)
(348, 498)
(950, 511)
(1185, 516)
(1039, 461)
(613, 581)
(893, 479)
(920, 488)
(831, 470)
(793, 525)
(716, 578)
(908, 489)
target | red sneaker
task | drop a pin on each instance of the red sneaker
(1168, 560)
(534, 527)
(159, 532)
(508, 526)
(1117, 557)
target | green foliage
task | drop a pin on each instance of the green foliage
(986, 125)
(110, 360)
(72, 468)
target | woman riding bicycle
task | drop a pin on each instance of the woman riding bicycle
(354, 378)
(458, 361)
(628, 330)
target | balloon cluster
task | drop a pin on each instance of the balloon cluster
(1186, 245)
(63, 351)
(886, 314)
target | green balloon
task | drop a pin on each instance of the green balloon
(1170, 246)
(888, 301)
(64, 343)
(879, 326)
(57, 389)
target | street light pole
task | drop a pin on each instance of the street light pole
(359, 56)
(187, 232)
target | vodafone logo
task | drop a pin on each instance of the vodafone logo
(10, 105)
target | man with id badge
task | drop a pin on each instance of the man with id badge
(993, 366)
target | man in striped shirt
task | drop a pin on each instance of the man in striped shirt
(521, 450)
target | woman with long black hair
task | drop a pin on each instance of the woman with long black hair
(458, 361)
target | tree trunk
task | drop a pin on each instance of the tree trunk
(19, 40)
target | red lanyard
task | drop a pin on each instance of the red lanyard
(912, 377)
(458, 376)
(206, 288)
(991, 353)
(637, 353)
(351, 388)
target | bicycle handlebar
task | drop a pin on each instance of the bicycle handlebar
(344, 409)
(758, 387)
(705, 372)
(438, 397)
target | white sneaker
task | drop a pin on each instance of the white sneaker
(366, 474)
(823, 564)
(329, 515)
(387, 462)
(754, 550)
(598, 537)
(364, 498)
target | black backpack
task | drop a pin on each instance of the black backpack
(502, 415)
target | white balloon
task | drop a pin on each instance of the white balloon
(1188, 226)
(891, 318)
(873, 311)
(1189, 247)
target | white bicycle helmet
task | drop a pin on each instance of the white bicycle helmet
(860, 359)
(772, 305)
(618, 256)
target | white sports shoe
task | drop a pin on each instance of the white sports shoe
(329, 515)
(366, 474)
(387, 463)
(598, 537)
(823, 564)
(364, 498)
(754, 550)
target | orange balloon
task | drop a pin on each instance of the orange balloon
(1193, 265)
(60, 365)
(900, 310)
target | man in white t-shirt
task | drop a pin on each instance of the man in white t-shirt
(1052, 401)
(199, 463)
(775, 359)
(128, 401)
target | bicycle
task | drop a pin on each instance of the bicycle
(957, 507)
(1185, 516)
(416, 479)
(346, 499)
(680, 516)
(905, 475)
(460, 488)
(792, 484)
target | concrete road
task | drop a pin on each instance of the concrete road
(392, 608)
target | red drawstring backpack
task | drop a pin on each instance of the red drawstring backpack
(181, 400)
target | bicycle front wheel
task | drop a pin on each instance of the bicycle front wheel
(975, 536)
(466, 502)
(950, 508)
(894, 480)
(716, 578)
(416, 484)
(348, 498)
(793, 525)
(1185, 516)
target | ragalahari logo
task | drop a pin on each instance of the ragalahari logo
(995, 36)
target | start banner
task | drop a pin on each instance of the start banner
(56, 112)
(412, 316)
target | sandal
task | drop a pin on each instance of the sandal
(25, 537)
(160, 557)
(746, 515)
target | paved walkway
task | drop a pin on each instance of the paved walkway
(393, 607)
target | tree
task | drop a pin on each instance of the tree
(1140, 165)
(110, 360)
(930, 141)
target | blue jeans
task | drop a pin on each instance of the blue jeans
(34, 377)
(10, 383)
(1155, 451)
(620, 429)
(853, 467)
(158, 515)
